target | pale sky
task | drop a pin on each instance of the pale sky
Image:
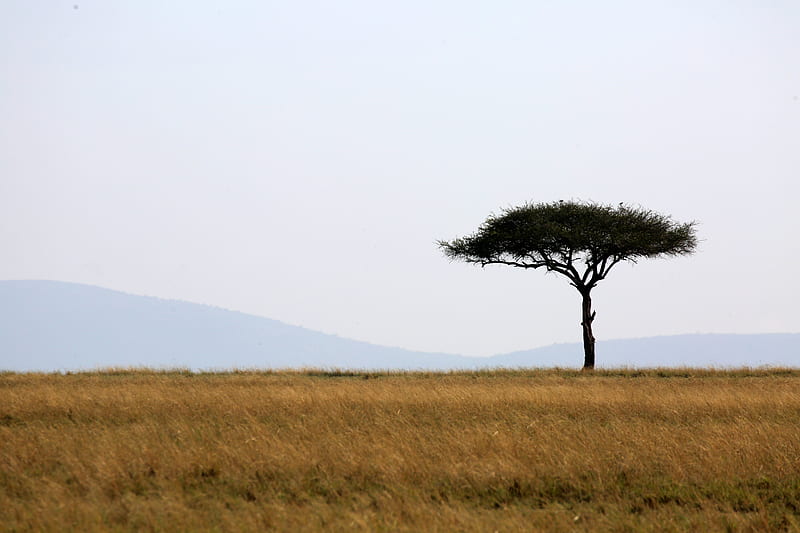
(298, 160)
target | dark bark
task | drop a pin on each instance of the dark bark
(587, 317)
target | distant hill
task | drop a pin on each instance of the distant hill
(698, 350)
(50, 325)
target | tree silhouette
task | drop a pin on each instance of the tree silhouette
(580, 240)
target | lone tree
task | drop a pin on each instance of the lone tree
(582, 241)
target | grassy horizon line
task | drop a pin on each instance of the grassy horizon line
(523, 372)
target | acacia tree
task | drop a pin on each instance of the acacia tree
(582, 241)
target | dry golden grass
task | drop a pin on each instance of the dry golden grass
(488, 451)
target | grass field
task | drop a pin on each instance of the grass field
(659, 450)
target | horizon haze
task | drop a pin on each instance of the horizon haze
(54, 326)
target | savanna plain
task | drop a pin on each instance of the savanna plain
(524, 450)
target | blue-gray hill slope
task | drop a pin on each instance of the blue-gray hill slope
(51, 325)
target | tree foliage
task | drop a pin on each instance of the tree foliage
(582, 241)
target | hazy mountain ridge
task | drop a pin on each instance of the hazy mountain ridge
(701, 349)
(50, 325)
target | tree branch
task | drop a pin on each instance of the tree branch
(586, 273)
(484, 262)
(606, 268)
(555, 266)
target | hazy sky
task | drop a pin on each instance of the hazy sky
(298, 160)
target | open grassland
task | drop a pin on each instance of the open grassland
(487, 451)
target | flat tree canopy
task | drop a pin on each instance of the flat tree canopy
(579, 240)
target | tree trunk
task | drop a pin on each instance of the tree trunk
(587, 317)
